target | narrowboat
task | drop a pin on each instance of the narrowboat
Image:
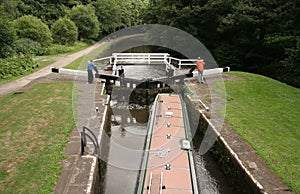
(167, 165)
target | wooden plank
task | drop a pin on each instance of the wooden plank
(155, 186)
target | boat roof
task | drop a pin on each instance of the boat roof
(169, 167)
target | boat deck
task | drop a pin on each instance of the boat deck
(169, 166)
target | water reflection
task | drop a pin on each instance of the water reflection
(144, 71)
(128, 133)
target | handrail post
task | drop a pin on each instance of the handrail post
(92, 137)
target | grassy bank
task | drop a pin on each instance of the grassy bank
(35, 127)
(266, 114)
(81, 62)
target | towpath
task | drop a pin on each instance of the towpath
(15, 85)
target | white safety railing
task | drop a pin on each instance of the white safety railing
(150, 58)
(181, 62)
(135, 58)
(146, 58)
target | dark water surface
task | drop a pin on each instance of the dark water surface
(144, 71)
(125, 152)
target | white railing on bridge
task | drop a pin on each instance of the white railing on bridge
(181, 62)
(145, 58)
(134, 58)
(139, 58)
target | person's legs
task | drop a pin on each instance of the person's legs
(200, 77)
(90, 76)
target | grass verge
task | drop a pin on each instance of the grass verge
(81, 63)
(75, 64)
(35, 127)
(265, 112)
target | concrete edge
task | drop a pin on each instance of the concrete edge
(92, 175)
(234, 155)
(80, 174)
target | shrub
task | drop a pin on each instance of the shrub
(28, 46)
(33, 28)
(15, 66)
(54, 49)
(64, 31)
(7, 37)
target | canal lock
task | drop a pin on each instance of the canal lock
(216, 171)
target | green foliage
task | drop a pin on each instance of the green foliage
(249, 35)
(33, 28)
(64, 31)
(15, 66)
(279, 42)
(85, 19)
(292, 65)
(293, 57)
(47, 10)
(7, 37)
(28, 47)
(131, 12)
(30, 17)
(109, 14)
(11, 8)
(54, 49)
(227, 55)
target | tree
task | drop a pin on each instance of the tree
(7, 37)
(64, 31)
(292, 61)
(109, 14)
(33, 28)
(47, 10)
(11, 8)
(86, 21)
(291, 65)
(131, 12)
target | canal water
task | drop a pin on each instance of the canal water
(125, 153)
(144, 71)
(126, 143)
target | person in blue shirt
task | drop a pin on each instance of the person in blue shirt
(91, 67)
